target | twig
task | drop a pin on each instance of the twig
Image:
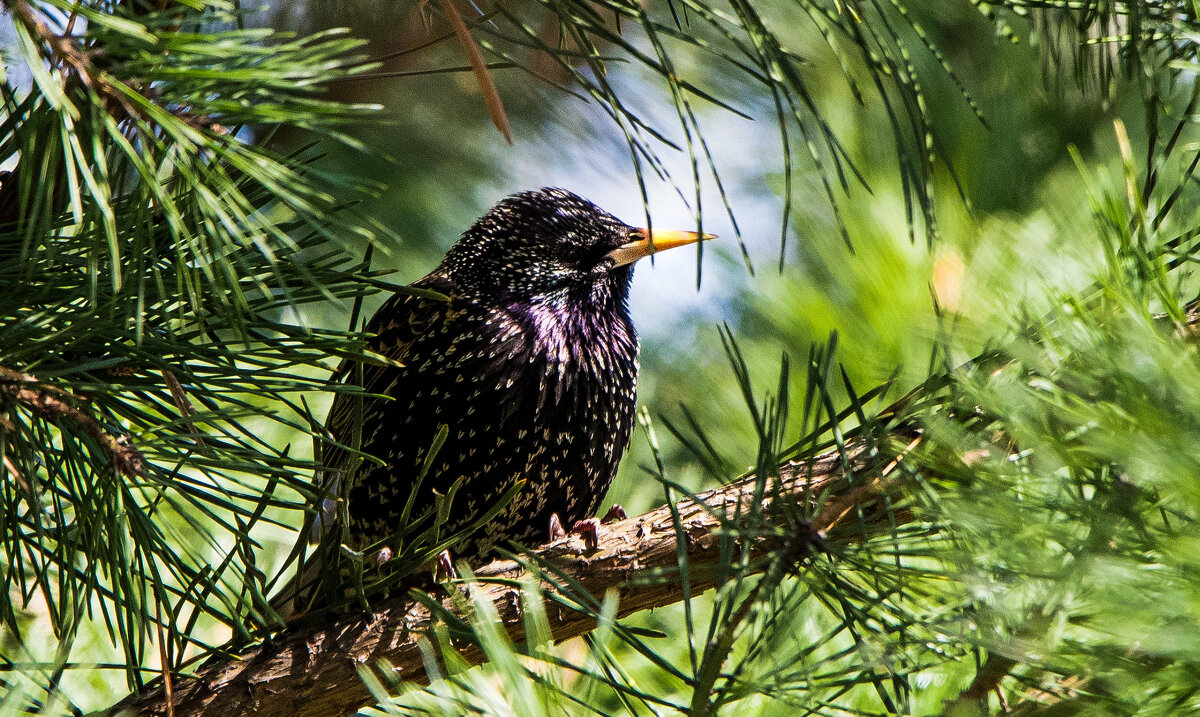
(993, 670)
(186, 408)
(479, 66)
(30, 494)
(55, 403)
(163, 659)
(64, 51)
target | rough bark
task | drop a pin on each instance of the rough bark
(313, 671)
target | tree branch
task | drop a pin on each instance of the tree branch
(55, 403)
(66, 51)
(314, 670)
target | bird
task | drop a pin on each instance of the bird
(509, 370)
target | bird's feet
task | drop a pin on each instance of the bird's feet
(615, 513)
(556, 530)
(588, 528)
(443, 567)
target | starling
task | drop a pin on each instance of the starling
(530, 364)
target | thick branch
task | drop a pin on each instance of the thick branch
(314, 671)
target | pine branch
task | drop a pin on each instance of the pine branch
(65, 51)
(315, 671)
(57, 404)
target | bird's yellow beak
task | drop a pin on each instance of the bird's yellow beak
(650, 242)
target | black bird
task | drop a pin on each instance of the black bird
(530, 363)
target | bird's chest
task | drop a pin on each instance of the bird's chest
(566, 408)
(521, 397)
(561, 380)
(583, 382)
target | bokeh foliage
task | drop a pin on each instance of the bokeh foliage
(180, 266)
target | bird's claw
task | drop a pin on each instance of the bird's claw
(556, 528)
(443, 565)
(614, 514)
(590, 530)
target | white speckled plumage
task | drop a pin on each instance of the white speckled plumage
(531, 364)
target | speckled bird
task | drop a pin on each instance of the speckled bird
(530, 361)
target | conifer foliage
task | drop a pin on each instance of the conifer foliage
(1015, 531)
(152, 250)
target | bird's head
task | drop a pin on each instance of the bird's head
(551, 245)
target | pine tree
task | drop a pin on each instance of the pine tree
(1012, 531)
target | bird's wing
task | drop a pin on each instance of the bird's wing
(398, 323)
